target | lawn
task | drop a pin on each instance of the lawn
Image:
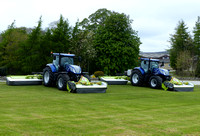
(123, 110)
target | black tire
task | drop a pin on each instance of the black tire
(62, 82)
(155, 82)
(48, 77)
(137, 78)
(88, 77)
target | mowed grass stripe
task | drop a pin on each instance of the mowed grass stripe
(123, 110)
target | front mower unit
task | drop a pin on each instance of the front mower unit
(179, 86)
(79, 88)
(184, 88)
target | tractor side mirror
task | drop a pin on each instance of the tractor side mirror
(79, 58)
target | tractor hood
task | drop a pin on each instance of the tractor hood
(73, 68)
(159, 71)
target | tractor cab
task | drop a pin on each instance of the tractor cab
(149, 64)
(60, 60)
(65, 63)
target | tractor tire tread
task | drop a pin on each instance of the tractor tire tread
(159, 82)
(51, 77)
(65, 78)
(140, 80)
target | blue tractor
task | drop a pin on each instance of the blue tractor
(62, 70)
(149, 73)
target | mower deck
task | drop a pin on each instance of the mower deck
(95, 88)
(21, 80)
(184, 88)
(113, 81)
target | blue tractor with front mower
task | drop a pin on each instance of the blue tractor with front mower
(149, 73)
(62, 70)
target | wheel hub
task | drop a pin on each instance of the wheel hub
(135, 78)
(153, 82)
(60, 82)
(46, 77)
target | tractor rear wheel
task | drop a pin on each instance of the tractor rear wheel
(155, 82)
(48, 77)
(62, 81)
(137, 78)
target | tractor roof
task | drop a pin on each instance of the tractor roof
(147, 59)
(64, 54)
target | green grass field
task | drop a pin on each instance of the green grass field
(123, 110)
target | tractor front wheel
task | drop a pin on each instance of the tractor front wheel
(62, 81)
(137, 78)
(48, 77)
(155, 82)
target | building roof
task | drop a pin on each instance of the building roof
(154, 54)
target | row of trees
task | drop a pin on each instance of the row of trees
(105, 41)
(185, 49)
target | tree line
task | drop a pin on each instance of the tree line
(185, 49)
(105, 41)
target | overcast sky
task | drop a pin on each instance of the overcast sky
(154, 20)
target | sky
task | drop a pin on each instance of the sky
(154, 20)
